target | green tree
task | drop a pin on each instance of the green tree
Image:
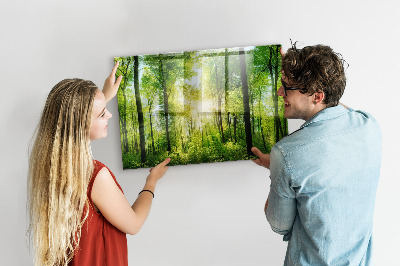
(124, 70)
(246, 106)
(139, 109)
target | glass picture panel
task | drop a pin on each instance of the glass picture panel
(200, 106)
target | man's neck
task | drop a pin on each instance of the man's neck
(318, 108)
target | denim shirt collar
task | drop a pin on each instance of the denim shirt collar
(326, 114)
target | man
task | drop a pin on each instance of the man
(323, 176)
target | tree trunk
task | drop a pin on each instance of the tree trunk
(139, 109)
(260, 120)
(246, 106)
(274, 82)
(123, 111)
(234, 126)
(276, 69)
(252, 111)
(133, 130)
(164, 85)
(229, 126)
(282, 132)
(124, 130)
(219, 114)
(227, 91)
(151, 126)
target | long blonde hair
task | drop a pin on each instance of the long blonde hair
(60, 168)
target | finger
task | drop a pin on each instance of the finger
(282, 52)
(165, 162)
(257, 161)
(118, 82)
(115, 69)
(257, 152)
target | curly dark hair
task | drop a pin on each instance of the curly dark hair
(316, 69)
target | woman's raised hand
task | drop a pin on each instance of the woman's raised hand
(111, 86)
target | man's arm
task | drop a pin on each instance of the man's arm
(280, 208)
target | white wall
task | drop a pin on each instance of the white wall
(209, 214)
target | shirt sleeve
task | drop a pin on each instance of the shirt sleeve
(281, 210)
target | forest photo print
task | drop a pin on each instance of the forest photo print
(200, 106)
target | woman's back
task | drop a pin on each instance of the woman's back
(78, 212)
(101, 243)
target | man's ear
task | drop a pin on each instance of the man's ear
(318, 97)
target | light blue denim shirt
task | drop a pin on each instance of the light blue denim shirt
(323, 183)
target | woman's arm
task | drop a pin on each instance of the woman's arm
(345, 106)
(114, 206)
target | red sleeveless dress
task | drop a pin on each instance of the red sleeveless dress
(101, 243)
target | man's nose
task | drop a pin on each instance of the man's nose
(281, 91)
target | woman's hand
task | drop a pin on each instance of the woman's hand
(158, 171)
(111, 86)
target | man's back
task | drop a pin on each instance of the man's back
(328, 172)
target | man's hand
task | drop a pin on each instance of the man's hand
(281, 51)
(111, 86)
(266, 206)
(263, 159)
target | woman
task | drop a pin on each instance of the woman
(78, 212)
